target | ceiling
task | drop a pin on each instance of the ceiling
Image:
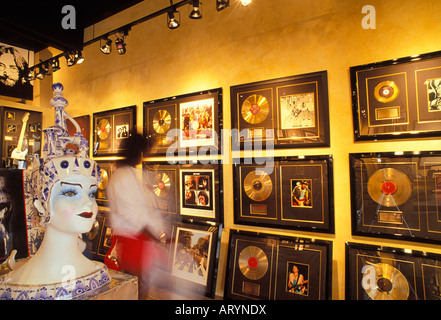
(37, 25)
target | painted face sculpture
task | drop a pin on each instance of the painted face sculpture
(65, 182)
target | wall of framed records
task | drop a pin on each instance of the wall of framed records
(253, 57)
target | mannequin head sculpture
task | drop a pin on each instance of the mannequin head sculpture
(65, 183)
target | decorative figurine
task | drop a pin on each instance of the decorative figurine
(64, 184)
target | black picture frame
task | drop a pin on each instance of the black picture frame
(397, 99)
(110, 127)
(260, 266)
(388, 273)
(188, 124)
(170, 183)
(264, 194)
(198, 243)
(289, 112)
(107, 168)
(396, 195)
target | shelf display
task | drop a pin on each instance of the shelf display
(383, 273)
(397, 195)
(190, 191)
(284, 113)
(184, 124)
(398, 98)
(289, 193)
(110, 128)
(270, 267)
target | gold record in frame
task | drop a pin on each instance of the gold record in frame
(161, 121)
(162, 185)
(255, 109)
(257, 185)
(104, 179)
(386, 91)
(253, 262)
(389, 284)
(389, 187)
(103, 129)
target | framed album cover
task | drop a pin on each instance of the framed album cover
(189, 191)
(270, 267)
(184, 124)
(194, 258)
(285, 192)
(20, 134)
(397, 195)
(110, 128)
(284, 112)
(396, 99)
(383, 273)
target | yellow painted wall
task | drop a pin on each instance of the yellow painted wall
(268, 39)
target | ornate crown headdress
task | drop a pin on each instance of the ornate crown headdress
(58, 160)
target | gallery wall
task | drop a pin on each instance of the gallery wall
(266, 40)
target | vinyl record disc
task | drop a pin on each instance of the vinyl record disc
(255, 109)
(253, 262)
(389, 187)
(161, 121)
(386, 91)
(104, 179)
(162, 185)
(257, 185)
(103, 129)
(389, 283)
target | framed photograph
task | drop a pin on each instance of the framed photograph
(110, 128)
(189, 191)
(270, 267)
(286, 193)
(15, 63)
(184, 124)
(194, 259)
(20, 134)
(286, 112)
(397, 99)
(384, 273)
(396, 195)
(13, 225)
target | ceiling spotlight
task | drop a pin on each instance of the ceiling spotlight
(196, 11)
(245, 3)
(78, 57)
(70, 59)
(45, 69)
(222, 4)
(120, 46)
(106, 48)
(30, 75)
(39, 73)
(172, 20)
(55, 63)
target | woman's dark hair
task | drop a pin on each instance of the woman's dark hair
(133, 148)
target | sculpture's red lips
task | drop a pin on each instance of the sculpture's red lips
(86, 215)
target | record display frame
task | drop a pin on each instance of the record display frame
(386, 273)
(260, 266)
(172, 193)
(397, 99)
(107, 167)
(110, 127)
(396, 196)
(186, 124)
(267, 194)
(301, 101)
(197, 242)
